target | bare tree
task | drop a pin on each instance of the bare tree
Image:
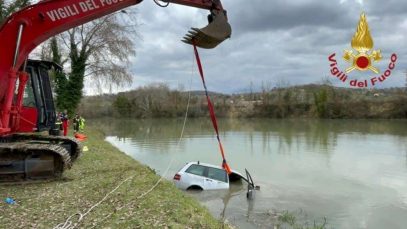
(99, 50)
(106, 44)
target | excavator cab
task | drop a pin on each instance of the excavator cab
(38, 104)
(213, 34)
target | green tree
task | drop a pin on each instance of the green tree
(9, 7)
(61, 83)
(122, 105)
(320, 100)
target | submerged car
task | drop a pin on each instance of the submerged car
(201, 176)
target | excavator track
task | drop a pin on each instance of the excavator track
(30, 157)
(71, 144)
(27, 161)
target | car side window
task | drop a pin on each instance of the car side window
(217, 174)
(196, 170)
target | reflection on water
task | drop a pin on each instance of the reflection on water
(354, 172)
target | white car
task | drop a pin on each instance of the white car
(201, 176)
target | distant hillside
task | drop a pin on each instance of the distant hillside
(311, 101)
(202, 93)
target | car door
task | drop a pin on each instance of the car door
(216, 179)
(195, 176)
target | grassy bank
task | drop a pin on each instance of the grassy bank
(96, 173)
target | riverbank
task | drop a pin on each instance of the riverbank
(96, 173)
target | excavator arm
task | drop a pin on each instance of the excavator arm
(26, 156)
(25, 30)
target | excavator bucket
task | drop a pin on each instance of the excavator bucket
(210, 36)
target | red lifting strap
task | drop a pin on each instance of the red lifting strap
(211, 111)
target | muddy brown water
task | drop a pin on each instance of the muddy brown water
(351, 172)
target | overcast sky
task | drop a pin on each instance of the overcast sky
(274, 42)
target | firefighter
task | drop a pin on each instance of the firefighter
(76, 121)
(81, 124)
(58, 123)
(65, 122)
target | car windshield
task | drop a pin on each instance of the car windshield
(217, 174)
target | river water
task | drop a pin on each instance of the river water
(353, 173)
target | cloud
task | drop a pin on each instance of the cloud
(271, 41)
(357, 1)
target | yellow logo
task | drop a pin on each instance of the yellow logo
(362, 42)
(362, 58)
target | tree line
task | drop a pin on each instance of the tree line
(151, 101)
(309, 101)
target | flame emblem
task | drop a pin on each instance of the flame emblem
(362, 42)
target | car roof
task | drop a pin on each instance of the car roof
(205, 164)
(209, 165)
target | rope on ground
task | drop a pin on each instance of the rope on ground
(138, 197)
(69, 224)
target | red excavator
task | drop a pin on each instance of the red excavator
(26, 98)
